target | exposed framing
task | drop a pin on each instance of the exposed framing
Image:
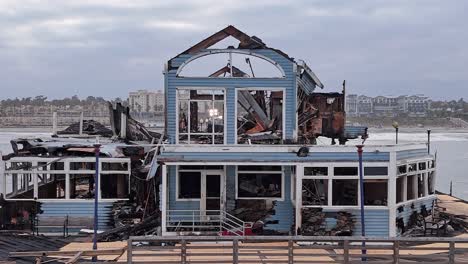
(276, 89)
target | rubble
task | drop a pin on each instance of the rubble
(314, 223)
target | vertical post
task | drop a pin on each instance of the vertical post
(346, 251)
(396, 135)
(54, 123)
(299, 174)
(66, 168)
(396, 251)
(2, 176)
(129, 250)
(163, 198)
(34, 175)
(361, 187)
(428, 141)
(451, 252)
(183, 252)
(123, 126)
(81, 123)
(290, 252)
(235, 251)
(96, 196)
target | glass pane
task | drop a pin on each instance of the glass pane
(314, 192)
(183, 116)
(315, 171)
(375, 171)
(375, 192)
(402, 169)
(217, 115)
(345, 192)
(412, 167)
(189, 185)
(200, 120)
(422, 165)
(346, 171)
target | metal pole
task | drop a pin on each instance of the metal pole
(396, 135)
(361, 186)
(428, 141)
(96, 195)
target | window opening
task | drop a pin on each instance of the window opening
(314, 192)
(345, 192)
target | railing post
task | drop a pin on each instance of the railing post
(183, 252)
(290, 252)
(451, 252)
(346, 251)
(235, 251)
(193, 221)
(129, 251)
(396, 251)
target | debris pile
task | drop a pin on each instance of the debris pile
(314, 223)
(344, 224)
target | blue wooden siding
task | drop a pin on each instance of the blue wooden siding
(376, 221)
(79, 208)
(408, 211)
(173, 203)
(274, 156)
(413, 153)
(172, 82)
(284, 210)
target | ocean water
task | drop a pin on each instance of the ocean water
(451, 149)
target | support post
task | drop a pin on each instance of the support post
(54, 123)
(163, 198)
(123, 126)
(392, 194)
(235, 251)
(428, 141)
(290, 252)
(96, 196)
(299, 174)
(346, 251)
(81, 123)
(361, 186)
(396, 251)
(183, 252)
(2, 176)
(129, 251)
(451, 252)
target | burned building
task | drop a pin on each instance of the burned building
(241, 154)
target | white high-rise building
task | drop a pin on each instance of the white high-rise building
(144, 101)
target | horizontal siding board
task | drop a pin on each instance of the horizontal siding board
(272, 156)
(376, 221)
(413, 153)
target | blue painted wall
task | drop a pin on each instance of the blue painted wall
(413, 153)
(79, 208)
(408, 211)
(376, 221)
(230, 84)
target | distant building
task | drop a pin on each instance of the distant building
(144, 101)
(361, 105)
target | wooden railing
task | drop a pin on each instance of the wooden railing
(296, 249)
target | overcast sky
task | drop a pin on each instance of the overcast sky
(108, 48)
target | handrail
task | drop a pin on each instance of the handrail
(300, 249)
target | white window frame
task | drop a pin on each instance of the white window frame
(273, 89)
(415, 173)
(281, 198)
(188, 118)
(220, 172)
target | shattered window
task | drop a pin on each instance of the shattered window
(399, 189)
(189, 185)
(410, 184)
(345, 171)
(430, 182)
(375, 192)
(420, 185)
(314, 191)
(315, 171)
(345, 192)
(401, 169)
(201, 116)
(259, 182)
(81, 186)
(375, 171)
(259, 116)
(422, 165)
